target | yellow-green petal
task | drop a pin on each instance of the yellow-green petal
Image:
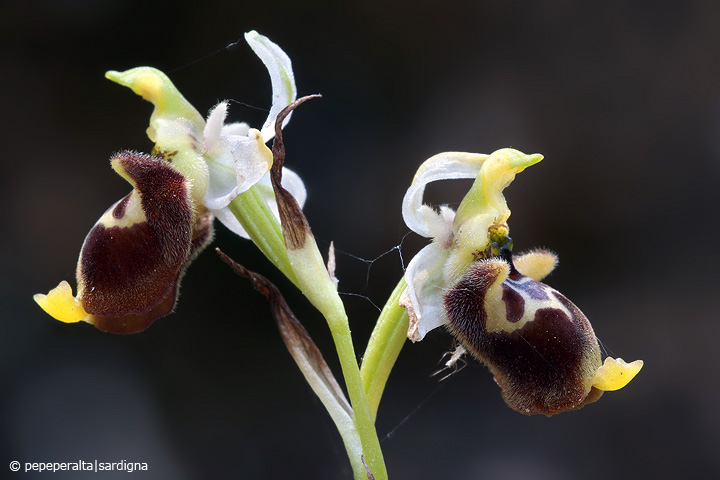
(496, 173)
(176, 127)
(155, 87)
(484, 206)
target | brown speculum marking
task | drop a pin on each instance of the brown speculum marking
(527, 287)
(514, 302)
(119, 210)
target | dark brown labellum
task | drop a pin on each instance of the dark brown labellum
(133, 259)
(540, 347)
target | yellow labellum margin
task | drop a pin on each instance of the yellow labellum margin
(616, 373)
(61, 304)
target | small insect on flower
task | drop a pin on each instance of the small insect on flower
(539, 346)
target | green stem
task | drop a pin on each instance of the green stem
(317, 285)
(253, 213)
(385, 343)
(363, 417)
(262, 226)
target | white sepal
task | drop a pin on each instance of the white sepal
(281, 75)
(423, 297)
(444, 166)
(290, 181)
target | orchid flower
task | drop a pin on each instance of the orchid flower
(540, 347)
(133, 259)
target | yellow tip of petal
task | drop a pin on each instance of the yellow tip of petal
(144, 81)
(60, 304)
(615, 374)
(155, 87)
(521, 160)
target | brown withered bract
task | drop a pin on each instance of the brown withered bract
(133, 259)
(296, 338)
(540, 347)
(295, 226)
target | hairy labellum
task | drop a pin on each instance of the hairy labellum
(133, 259)
(539, 345)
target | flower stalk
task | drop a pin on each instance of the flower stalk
(314, 280)
(386, 341)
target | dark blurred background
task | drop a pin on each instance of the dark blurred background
(623, 99)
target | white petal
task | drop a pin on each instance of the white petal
(439, 224)
(444, 166)
(423, 297)
(214, 126)
(292, 183)
(238, 164)
(281, 75)
(236, 128)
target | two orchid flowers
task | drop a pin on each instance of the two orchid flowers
(540, 347)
